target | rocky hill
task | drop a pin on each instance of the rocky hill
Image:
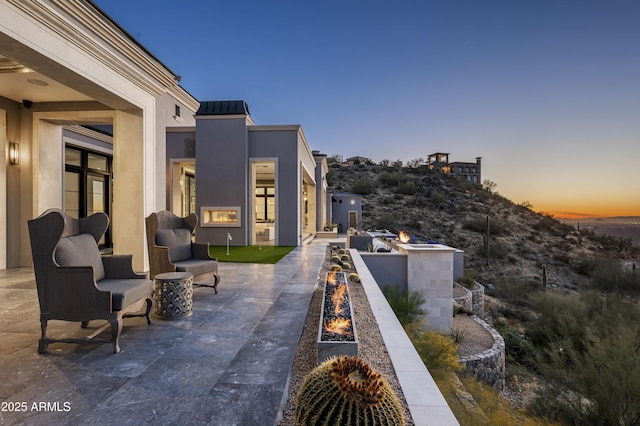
(436, 207)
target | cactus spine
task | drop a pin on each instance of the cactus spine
(346, 391)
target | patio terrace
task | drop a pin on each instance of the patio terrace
(227, 364)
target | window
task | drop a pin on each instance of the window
(177, 114)
(265, 204)
(87, 185)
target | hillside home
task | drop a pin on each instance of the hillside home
(469, 171)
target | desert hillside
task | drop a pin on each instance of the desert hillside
(436, 207)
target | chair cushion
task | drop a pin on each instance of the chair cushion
(124, 292)
(80, 250)
(197, 266)
(178, 241)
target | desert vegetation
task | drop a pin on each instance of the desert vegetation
(562, 298)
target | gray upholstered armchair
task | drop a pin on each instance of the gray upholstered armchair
(171, 249)
(76, 283)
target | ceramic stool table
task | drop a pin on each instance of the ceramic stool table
(173, 295)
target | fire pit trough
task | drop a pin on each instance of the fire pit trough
(337, 331)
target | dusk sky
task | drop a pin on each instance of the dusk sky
(546, 92)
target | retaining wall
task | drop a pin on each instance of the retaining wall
(487, 366)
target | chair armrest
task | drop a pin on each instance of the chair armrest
(201, 251)
(159, 261)
(120, 267)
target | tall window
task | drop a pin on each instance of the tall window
(87, 185)
(265, 204)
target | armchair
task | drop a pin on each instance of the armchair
(171, 249)
(76, 283)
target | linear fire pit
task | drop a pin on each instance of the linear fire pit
(337, 331)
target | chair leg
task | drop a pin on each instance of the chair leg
(149, 306)
(116, 329)
(216, 280)
(84, 324)
(43, 342)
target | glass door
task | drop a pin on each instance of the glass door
(87, 183)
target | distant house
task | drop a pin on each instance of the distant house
(470, 171)
(346, 211)
(356, 160)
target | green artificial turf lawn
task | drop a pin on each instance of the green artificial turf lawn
(250, 254)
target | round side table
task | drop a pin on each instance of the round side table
(173, 293)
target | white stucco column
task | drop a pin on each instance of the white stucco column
(129, 188)
(430, 271)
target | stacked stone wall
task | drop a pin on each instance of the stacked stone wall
(487, 366)
(466, 300)
(477, 299)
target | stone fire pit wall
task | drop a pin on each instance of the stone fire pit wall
(430, 272)
(331, 348)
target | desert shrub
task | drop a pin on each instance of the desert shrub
(386, 221)
(559, 317)
(495, 409)
(408, 187)
(479, 224)
(497, 250)
(390, 180)
(387, 201)
(437, 351)
(406, 305)
(547, 223)
(438, 197)
(513, 291)
(363, 186)
(612, 278)
(419, 200)
(468, 278)
(518, 348)
(603, 373)
(346, 265)
(336, 268)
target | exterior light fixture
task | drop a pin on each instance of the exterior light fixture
(14, 153)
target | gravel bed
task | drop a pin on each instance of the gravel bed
(371, 346)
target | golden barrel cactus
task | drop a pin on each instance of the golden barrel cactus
(346, 391)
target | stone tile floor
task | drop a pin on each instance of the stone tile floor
(227, 364)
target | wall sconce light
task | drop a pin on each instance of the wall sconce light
(14, 153)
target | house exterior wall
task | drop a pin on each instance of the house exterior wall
(281, 143)
(341, 208)
(120, 83)
(222, 146)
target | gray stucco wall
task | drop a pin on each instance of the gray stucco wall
(341, 210)
(221, 167)
(387, 268)
(282, 144)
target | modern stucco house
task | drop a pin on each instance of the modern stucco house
(347, 211)
(86, 117)
(259, 184)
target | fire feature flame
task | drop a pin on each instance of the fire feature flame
(338, 298)
(338, 326)
(404, 237)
